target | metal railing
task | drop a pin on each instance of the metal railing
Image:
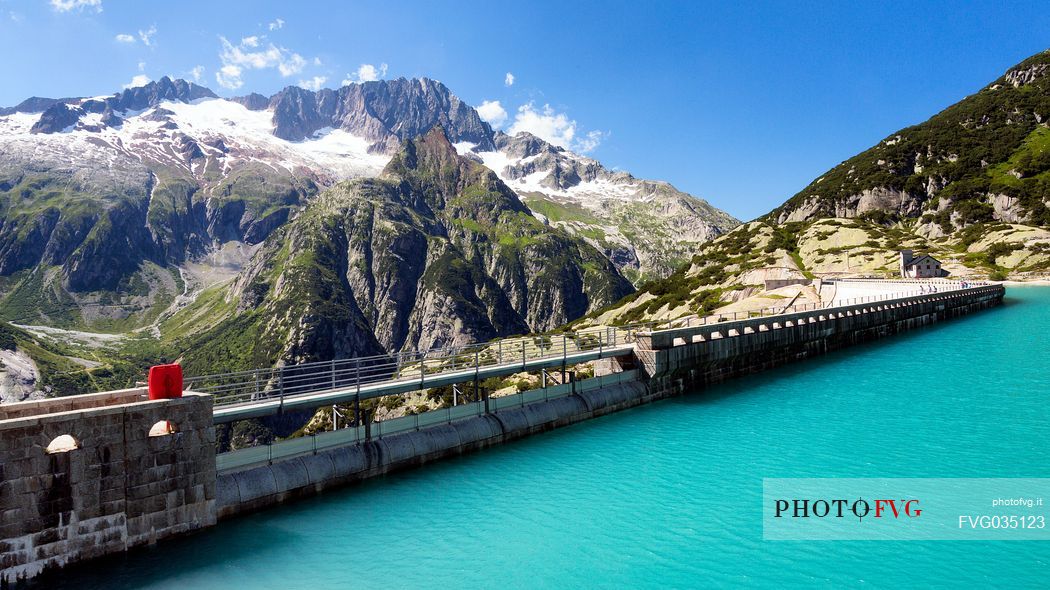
(514, 354)
(510, 354)
(314, 443)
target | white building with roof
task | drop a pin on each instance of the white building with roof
(922, 266)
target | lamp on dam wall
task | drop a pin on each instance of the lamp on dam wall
(165, 382)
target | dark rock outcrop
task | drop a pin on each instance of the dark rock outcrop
(56, 118)
(253, 101)
(386, 112)
(35, 104)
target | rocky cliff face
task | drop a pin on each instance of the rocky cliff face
(435, 252)
(385, 113)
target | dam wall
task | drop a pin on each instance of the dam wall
(248, 488)
(676, 361)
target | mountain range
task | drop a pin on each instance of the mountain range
(104, 199)
(166, 212)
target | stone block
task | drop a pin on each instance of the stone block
(395, 449)
(478, 429)
(341, 460)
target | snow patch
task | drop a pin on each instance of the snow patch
(158, 135)
(590, 193)
(464, 148)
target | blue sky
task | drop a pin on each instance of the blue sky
(740, 103)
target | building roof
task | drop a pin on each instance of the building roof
(920, 259)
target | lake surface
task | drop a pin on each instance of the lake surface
(670, 494)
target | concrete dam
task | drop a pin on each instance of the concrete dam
(96, 474)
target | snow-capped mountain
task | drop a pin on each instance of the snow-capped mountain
(330, 134)
(118, 194)
(646, 227)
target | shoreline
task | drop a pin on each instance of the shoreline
(1029, 283)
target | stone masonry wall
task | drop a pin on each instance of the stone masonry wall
(121, 487)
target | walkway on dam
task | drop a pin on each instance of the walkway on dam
(261, 392)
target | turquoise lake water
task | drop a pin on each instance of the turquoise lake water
(670, 494)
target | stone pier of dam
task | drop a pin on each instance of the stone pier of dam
(90, 475)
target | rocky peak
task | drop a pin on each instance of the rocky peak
(35, 104)
(295, 114)
(523, 145)
(407, 108)
(152, 94)
(427, 154)
(253, 101)
(430, 166)
(57, 117)
(563, 168)
(61, 114)
(386, 112)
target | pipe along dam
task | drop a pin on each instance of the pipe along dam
(89, 475)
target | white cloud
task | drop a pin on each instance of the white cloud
(590, 141)
(544, 123)
(229, 77)
(250, 54)
(67, 5)
(315, 84)
(554, 127)
(196, 73)
(493, 113)
(142, 66)
(276, 25)
(366, 73)
(147, 36)
(508, 80)
(139, 80)
(293, 65)
(125, 38)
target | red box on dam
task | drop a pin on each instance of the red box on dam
(165, 381)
